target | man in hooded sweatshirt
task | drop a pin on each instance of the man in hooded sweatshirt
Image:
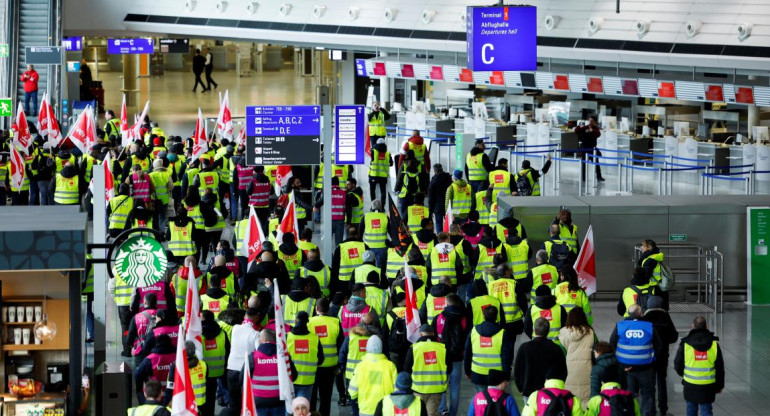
(317, 272)
(478, 166)
(437, 189)
(155, 366)
(216, 349)
(459, 197)
(444, 261)
(402, 400)
(700, 362)
(379, 167)
(435, 301)
(545, 306)
(372, 380)
(66, 189)
(416, 145)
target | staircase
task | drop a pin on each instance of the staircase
(34, 17)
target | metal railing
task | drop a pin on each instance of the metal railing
(697, 269)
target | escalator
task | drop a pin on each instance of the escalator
(33, 24)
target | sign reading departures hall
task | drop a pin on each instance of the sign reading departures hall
(502, 38)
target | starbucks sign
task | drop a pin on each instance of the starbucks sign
(141, 261)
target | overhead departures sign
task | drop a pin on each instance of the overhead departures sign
(350, 139)
(283, 135)
(502, 38)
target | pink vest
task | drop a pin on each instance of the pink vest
(480, 401)
(141, 187)
(543, 400)
(338, 204)
(604, 408)
(158, 289)
(171, 331)
(260, 195)
(474, 239)
(351, 319)
(245, 174)
(142, 322)
(264, 380)
(234, 267)
(161, 364)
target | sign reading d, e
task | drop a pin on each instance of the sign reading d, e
(502, 38)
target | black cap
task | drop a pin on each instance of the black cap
(496, 377)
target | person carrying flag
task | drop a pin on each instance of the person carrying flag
(263, 367)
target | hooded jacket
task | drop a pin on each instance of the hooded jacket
(402, 400)
(382, 148)
(604, 364)
(291, 249)
(450, 194)
(269, 349)
(211, 330)
(454, 315)
(485, 162)
(447, 248)
(301, 329)
(542, 302)
(144, 370)
(417, 140)
(649, 266)
(510, 222)
(437, 193)
(489, 329)
(700, 340)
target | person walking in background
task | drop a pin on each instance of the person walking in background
(437, 195)
(209, 66)
(537, 359)
(577, 337)
(477, 166)
(588, 136)
(198, 65)
(30, 77)
(699, 362)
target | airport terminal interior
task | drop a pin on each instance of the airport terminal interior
(643, 124)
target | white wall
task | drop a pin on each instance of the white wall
(95, 17)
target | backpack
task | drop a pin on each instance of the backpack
(495, 408)
(667, 278)
(642, 296)
(452, 335)
(523, 185)
(559, 405)
(621, 404)
(561, 255)
(412, 184)
(397, 341)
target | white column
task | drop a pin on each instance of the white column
(753, 118)
(384, 97)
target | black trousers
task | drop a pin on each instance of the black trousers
(322, 389)
(583, 165)
(211, 397)
(234, 387)
(198, 80)
(124, 316)
(382, 183)
(660, 378)
(210, 80)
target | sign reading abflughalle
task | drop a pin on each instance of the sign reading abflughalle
(141, 261)
(502, 38)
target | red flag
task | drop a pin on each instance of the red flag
(47, 124)
(109, 180)
(22, 136)
(90, 129)
(412, 311)
(449, 217)
(183, 398)
(247, 395)
(200, 145)
(251, 245)
(283, 175)
(42, 116)
(18, 171)
(224, 119)
(124, 132)
(585, 266)
(289, 222)
(367, 141)
(241, 140)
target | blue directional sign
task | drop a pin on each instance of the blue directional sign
(283, 135)
(350, 139)
(502, 38)
(130, 46)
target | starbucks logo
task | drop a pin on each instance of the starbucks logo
(141, 261)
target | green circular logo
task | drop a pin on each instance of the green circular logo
(141, 261)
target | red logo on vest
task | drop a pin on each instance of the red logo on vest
(223, 284)
(701, 355)
(547, 279)
(400, 412)
(429, 357)
(486, 342)
(547, 314)
(142, 223)
(439, 304)
(423, 246)
(352, 253)
(321, 331)
(362, 345)
(491, 252)
(211, 344)
(214, 306)
(301, 346)
(337, 172)
(376, 224)
(505, 232)
(209, 180)
(443, 257)
(498, 178)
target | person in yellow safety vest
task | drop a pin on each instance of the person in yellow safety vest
(650, 261)
(444, 261)
(315, 269)
(290, 254)
(415, 146)
(341, 172)
(489, 273)
(179, 283)
(559, 253)
(402, 400)
(298, 300)
(111, 127)
(599, 404)
(568, 232)
(354, 199)
(271, 171)
(377, 118)
(375, 227)
(347, 256)
(181, 235)
(459, 197)
(553, 388)
(121, 293)
(215, 299)
(163, 185)
(153, 405)
(191, 169)
(477, 167)
(418, 285)
(507, 224)
(198, 377)
(353, 346)
(378, 299)
(416, 213)
(700, 363)
(361, 273)
(118, 209)
(570, 295)
(512, 298)
(207, 178)
(463, 248)
(435, 301)
(87, 165)
(482, 207)
(518, 252)
(157, 147)
(488, 248)
(63, 157)
(426, 360)
(500, 180)
(306, 352)
(306, 241)
(424, 238)
(408, 186)
(532, 177)
(379, 168)
(138, 157)
(67, 186)
(329, 332)
(480, 300)
(488, 347)
(141, 216)
(546, 307)
(216, 349)
(638, 292)
(542, 274)
(373, 378)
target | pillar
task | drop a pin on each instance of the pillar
(384, 97)
(129, 79)
(753, 118)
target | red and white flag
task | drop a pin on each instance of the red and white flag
(241, 140)
(47, 124)
(183, 398)
(137, 127)
(285, 386)
(125, 136)
(412, 311)
(247, 395)
(283, 175)
(78, 134)
(90, 129)
(200, 144)
(109, 179)
(22, 136)
(585, 266)
(225, 119)
(289, 222)
(42, 116)
(18, 171)
(251, 245)
(449, 217)
(192, 315)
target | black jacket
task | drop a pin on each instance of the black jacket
(649, 266)
(437, 193)
(487, 164)
(542, 302)
(198, 64)
(510, 222)
(537, 360)
(488, 329)
(602, 365)
(667, 332)
(438, 291)
(700, 340)
(144, 370)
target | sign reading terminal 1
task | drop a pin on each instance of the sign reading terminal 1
(502, 38)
